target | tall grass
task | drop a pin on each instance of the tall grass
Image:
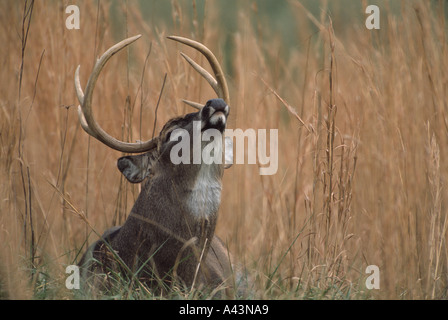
(362, 125)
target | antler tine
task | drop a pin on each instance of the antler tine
(85, 114)
(193, 104)
(80, 95)
(219, 85)
(204, 73)
(78, 87)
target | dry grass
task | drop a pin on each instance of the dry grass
(362, 125)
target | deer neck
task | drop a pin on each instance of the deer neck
(182, 201)
(204, 197)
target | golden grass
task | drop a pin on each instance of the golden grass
(362, 126)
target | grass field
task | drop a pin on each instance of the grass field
(362, 119)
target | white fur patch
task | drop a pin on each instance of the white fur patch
(206, 194)
(217, 117)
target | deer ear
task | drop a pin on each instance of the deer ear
(135, 168)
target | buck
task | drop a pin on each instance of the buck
(168, 238)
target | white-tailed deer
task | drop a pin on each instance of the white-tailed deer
(168, 236)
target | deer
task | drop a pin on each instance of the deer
(168, 237)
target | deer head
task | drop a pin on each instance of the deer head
(170, 229)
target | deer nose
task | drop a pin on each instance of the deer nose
(218, 105)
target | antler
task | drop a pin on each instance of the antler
(85, 114)
(220, 84)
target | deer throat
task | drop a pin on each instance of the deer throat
(205, 196)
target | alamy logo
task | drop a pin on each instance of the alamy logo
(212, 151)
(373, 280)
(72, 21)
(373, 20)
(72, 281)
